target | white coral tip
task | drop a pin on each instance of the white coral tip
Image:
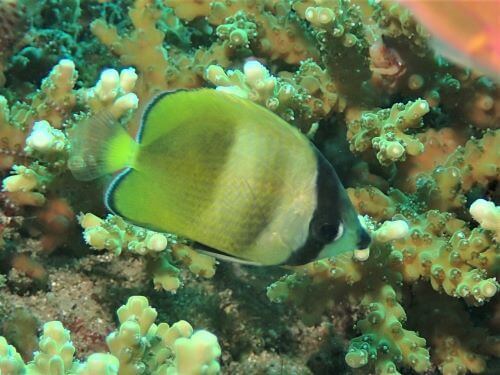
(41, 137)
(44, 138)
(255, 71)
(395, 150)
(67, 64)
(362, 254)
(128, 78)
(392, 230)
(106, 88)
(480, 208)
(157, 242)
(124, 103)
(486, 214)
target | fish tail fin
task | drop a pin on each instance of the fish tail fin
(100, 146)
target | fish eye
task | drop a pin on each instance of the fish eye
(330, 232)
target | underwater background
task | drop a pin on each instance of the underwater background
(413, 137)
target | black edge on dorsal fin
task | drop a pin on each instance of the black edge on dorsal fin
(148, 108)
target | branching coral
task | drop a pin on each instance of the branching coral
(279, 36)
(138, 346)
(448, 264)
(438, 248)
(374, 284)
(239, 30)
(142, 48)
(383, 339)
(474, 165)
(396, 21)
(459, 345)
(302, 98)
(338, 29)
(52, 103)
(115, 235)
(385, 131)
(332, 68)
(47, 111)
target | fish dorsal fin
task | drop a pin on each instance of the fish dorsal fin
(173, 109)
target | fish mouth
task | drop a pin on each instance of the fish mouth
(364, 239)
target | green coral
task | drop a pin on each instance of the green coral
(11, 361)
(238, 30)
(56, 352)
(384, 340)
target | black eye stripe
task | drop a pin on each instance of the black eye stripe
(328, 210)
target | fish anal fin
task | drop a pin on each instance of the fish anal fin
(207, 250)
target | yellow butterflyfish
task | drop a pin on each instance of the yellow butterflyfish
(225, 173)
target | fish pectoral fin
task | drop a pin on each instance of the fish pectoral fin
(207, 250)
(99, 146)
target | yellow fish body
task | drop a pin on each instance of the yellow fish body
(225, 173)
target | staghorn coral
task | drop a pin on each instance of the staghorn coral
(385, 131)
(142, 48)
(279, 36)
(473, 165)
(458, 344)
(115, 235)
(239, 30)
(337, 70)
(337, 27)
(376, 284)
(46, 111)
(302, 98)
(52, 103)
(137, 346)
